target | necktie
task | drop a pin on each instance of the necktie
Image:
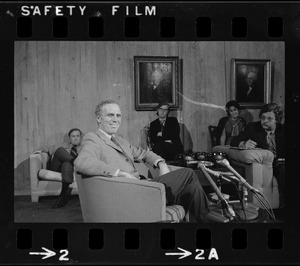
(162, 124)
(113, 139)
(271, 142)
(73, 152)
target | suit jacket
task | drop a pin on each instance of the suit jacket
(256, 132)
(256, 94)
(100, 156)
(170, 132)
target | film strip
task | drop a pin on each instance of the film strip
(154, 23)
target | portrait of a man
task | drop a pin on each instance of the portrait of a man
(250, 83)
(155, 82)
(156, 79)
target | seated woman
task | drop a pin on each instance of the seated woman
(230, 125)
(164, 134)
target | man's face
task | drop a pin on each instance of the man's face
(75, 138)
(110, 118)
(251, 77)
(268, 121)
(163, 111)
(233, 111)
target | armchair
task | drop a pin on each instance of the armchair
(40, 161)
(123, 200)
(256, 166)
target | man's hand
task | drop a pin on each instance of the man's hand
(126, 175)
(163, 168)
(249, 144)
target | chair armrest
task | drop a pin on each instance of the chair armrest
(261, 156)
(120, 199)
(38, 161)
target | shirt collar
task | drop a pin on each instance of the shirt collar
(269, 132)
(107, 135)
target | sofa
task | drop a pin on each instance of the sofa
(256, 166)
(38, 161)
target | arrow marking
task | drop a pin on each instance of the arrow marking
(48, 253)
(184, 254)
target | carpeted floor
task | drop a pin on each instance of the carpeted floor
(42, 212)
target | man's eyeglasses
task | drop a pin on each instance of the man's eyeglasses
(268, 118)
(162, 109)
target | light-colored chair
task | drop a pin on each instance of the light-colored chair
(40, 188)
(256, 166)
(122, 200)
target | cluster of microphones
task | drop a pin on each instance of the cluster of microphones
(232, 176)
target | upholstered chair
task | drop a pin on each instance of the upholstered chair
(256, 166)
(122, 200)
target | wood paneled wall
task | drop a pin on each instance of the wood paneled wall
(59, 83)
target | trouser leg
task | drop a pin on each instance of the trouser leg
(184, 188)
(67, 171)
(279, 173)
(61, 155)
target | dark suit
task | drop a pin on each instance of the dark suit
(171, 132)
(100, 156)
(255, 95)
(62, 162)
(256, 132)
(161, 93)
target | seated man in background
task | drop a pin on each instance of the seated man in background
(164, 134)
(63, 160)
(106, 154)
(268, 133)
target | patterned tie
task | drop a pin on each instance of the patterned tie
(73, 152)
(162, 124)
(113, 139)
(271, 142)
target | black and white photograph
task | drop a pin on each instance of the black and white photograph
(63, 92)
(149, 133)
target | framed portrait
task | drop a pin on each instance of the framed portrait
(156, 79)
(251, 82)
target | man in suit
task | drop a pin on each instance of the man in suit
(164, 134)
(249, 88)
(62, 161)
(106, 154)
(268, 133)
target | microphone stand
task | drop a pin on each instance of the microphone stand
(226, 213)
(244, 210)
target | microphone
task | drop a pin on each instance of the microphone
(218, 192)
(225, 163)
(219, 174)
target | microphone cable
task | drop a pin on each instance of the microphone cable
(271, 213)
(237, 190)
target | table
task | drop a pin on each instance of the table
(227, 188)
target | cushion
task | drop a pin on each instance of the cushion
(175, 213)
(49, 175)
